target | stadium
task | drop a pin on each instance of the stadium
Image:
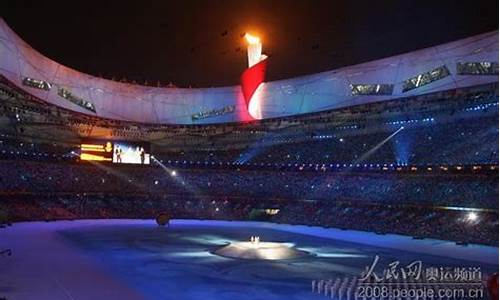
(319, 186)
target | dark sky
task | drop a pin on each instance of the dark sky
(199, 43)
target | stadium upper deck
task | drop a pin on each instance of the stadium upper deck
(467, 62)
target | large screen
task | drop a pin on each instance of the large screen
(130, 153)
(116, 152)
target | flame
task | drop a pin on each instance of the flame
(252, 39)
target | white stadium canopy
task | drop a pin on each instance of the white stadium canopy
(467, 62)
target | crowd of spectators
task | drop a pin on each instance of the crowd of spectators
(423, 205)
(15, 149)
(417, 221)
(467, 189)
(460, 141)
(317, 175)
(464, 136)
(452, 143)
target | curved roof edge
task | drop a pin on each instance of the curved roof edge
(418, 72)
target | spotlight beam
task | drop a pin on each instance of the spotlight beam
(176, 178)
(374, 149)
(115, 173)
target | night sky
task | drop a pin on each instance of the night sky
(200, 44)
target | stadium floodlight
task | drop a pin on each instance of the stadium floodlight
(472, 216)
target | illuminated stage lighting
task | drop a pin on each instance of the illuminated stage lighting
(257, 250)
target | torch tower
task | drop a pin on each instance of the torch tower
(252, 79)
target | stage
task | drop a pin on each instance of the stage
(137, 259)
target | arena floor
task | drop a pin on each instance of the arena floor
(136, 259)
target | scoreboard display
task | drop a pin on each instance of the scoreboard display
(116, 152)
(96, 151)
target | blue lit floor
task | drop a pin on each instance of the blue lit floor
(145, 261)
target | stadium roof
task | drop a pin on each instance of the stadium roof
(199, 43)
(466, 62)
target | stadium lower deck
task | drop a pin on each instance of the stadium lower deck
(137, 259)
